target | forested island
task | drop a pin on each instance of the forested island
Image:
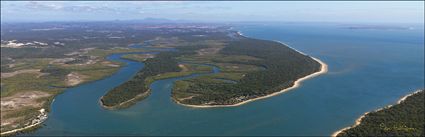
(406, 118)
(250, 69)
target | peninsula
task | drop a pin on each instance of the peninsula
(40, 61)
(405, 118)
(250, 69)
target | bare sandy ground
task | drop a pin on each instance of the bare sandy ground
(61, 60)
(183, 67)
(22, 100)
(209, 51)
(11, 74)
(110, 64)
(74, 78)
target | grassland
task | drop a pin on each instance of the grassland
(138, 57)
(187, 69)
(106, 52)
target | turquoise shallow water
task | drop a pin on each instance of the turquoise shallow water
(368, 69)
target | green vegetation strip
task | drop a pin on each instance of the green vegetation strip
(403, 119)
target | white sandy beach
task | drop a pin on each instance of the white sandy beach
(35, 122)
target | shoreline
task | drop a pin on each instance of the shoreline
(359, 120)
(23, 129)
(128, 103)
(45, 114)
(39, 120)
(297, 83)
(125, 103)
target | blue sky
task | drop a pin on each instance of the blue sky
(303, 11)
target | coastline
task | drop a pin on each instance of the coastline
(126, 103)
(297, 83)
(35, 122)
(359, 120)
(42, 119)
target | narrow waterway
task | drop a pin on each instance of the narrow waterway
(79, 106)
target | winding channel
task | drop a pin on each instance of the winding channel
(77, 110)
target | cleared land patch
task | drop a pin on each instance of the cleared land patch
(74, 78)
(11, 74)
(17, 109)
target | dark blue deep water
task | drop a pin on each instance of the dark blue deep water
(368, 69)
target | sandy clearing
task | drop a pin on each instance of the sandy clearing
(74, 78)
(22, 99)
(18, 102)
(11, 74)
(209, 51)
(183, 67)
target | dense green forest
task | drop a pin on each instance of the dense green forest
(404, 119)
(282, 67)
(162, 63)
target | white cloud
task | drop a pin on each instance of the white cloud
(43, 5)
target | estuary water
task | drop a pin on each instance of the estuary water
(368, 69)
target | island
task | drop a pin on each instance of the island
(406, 118)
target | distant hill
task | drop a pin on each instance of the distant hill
(151, 20)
